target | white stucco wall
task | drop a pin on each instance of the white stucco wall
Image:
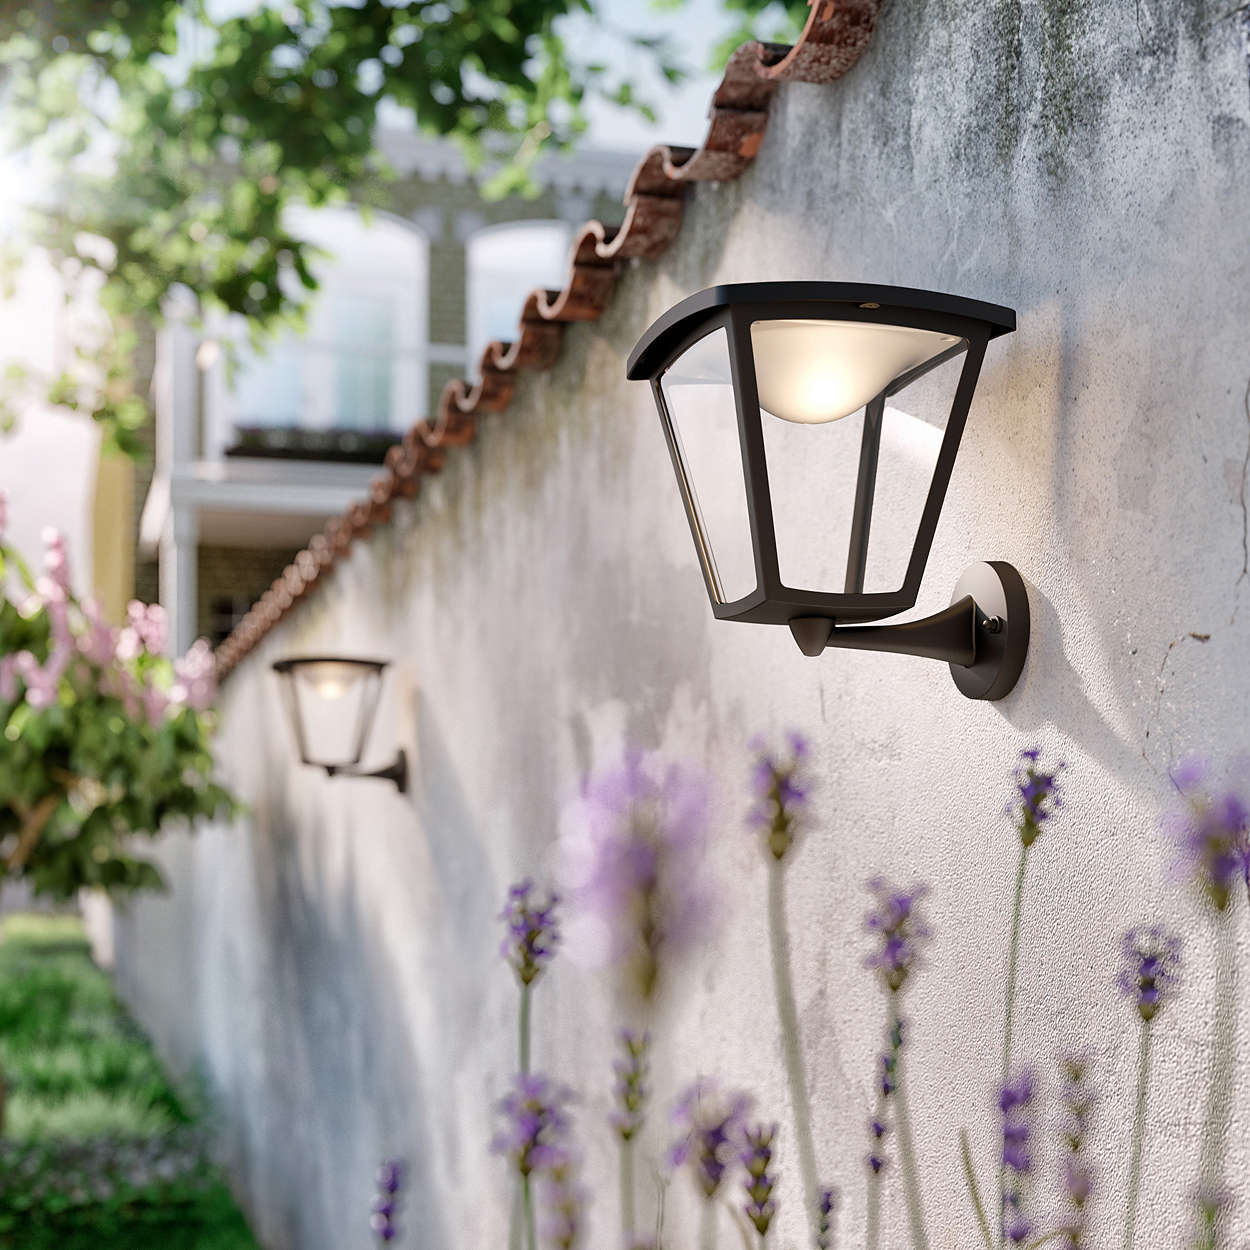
(330, 963)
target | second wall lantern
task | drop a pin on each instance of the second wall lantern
(773, 399)
(332, 701)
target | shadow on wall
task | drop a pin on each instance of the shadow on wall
(341, 1078)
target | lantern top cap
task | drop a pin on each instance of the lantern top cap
(290, 663)
(850, 301)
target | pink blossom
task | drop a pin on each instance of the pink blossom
(195, 677)
(4, 514)
(147, 620)
(99, 640)
(55, 562)
(41, 680)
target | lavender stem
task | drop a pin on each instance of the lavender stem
(791, 1044)
(531, 1230)
(707, 1226)
(1219, 1103)
(974, 1191)
(907, 1164)
(523, 1025)
(1013, 962)
(627, 1190)
(873, 1232)
(1139, 1124)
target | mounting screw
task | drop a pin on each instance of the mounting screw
(993, 625)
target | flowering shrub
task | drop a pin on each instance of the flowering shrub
(103, 736)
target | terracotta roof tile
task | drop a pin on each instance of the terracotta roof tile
(833, 40)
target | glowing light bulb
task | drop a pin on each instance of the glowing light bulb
(811, 372)
(330, 679)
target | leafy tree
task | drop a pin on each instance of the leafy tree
(102, 738)
(178, 139)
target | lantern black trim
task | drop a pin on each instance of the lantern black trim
(992, 628)
(287, 669)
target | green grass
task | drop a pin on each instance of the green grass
(99, 1152)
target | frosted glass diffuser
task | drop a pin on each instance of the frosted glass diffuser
(811, 372)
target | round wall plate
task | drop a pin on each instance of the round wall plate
(999, 593)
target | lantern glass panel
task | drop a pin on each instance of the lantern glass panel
(701, 419)
(814, 471)
(335, 703)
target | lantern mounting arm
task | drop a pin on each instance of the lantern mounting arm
(396, 771)
(983, 635)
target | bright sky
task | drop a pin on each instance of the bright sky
(694, 30)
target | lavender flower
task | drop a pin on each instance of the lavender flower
(712, 1131)
(533, 930)
(757, 1159)
(1077, 1182)
(895, 918)
(1212, 836)
(1015, 1101)
(634, 863)
(565, 1202)
(878, 1128)
(1037, 795)
(389, 1181)
(1151, 960)
(534, 1134)
(630, 1090)
(780, 792)
(824, 1218)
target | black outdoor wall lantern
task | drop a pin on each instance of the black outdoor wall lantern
(773, 399)
(332, 701)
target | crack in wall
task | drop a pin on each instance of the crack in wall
(1161, 684)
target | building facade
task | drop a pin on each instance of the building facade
(255, 449)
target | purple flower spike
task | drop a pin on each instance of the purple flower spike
(565, 1201)
(386, 1204)
(711, 1124)
(896, 921)
(1151, 963)
(635, 866)
(533, 931)
(781, 792)
(1037, 795)
(1212, 836)
(1015, 1103)
(630, 1090)
(1077, 1179)
(534, 1136)
(824, 1218)
(757, 1159)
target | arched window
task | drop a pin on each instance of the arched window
(360, 364)
(503, 265)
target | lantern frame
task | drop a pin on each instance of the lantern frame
(287, 670)
(821, 618)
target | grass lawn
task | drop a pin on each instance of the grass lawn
(98, 1150)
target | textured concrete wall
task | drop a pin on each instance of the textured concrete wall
(330, 963)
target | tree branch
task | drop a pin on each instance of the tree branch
(34, 821)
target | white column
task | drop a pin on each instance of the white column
(179, 575)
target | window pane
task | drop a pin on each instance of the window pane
(699, 400)
(363, 341)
